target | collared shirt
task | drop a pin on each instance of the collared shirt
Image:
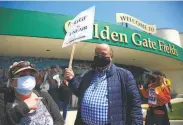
(94, 106)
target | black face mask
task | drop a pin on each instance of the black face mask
(100, 61)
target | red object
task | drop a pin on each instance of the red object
(64, 82)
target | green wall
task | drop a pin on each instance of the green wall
(47, 25)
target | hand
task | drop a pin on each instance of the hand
(140, 87)
(32, 103)
(69, 74)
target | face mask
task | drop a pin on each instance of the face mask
(101, 61)
(23, 92)
(25, 85)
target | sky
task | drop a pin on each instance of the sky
(161, 13)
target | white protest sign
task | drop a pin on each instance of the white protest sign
(80, 28)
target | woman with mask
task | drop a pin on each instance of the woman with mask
(27, 106)
(158, 95)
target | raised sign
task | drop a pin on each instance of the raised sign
(80, 28)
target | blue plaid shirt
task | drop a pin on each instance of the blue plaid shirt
(94, 106)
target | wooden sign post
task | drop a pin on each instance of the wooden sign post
(71, 57)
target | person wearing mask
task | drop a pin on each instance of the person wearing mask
(27, 106)
(55, 90)
(54, 84)
(158, 95)
(45, 85)
(60, 72)
(65, 97)
(39, 80)
(107, 94)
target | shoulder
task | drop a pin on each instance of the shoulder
(164, 87)
(124, 72)
(42, 94)
(47, 99)
(87, 72)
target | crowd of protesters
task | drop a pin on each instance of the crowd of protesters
(51, 80)
(107, 94)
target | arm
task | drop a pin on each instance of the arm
(14, 115)
(134, 110)
(74, 84)
(53, 108)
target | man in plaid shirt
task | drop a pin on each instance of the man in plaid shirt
(107, 94)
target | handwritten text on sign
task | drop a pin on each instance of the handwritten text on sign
(80, 28)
